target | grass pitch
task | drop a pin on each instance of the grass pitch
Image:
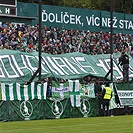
(116, 124)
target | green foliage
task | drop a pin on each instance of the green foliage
(123, 6)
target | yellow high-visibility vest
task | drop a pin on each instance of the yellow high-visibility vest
(107, 93)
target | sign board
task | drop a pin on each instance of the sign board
(8, 8)
(125, 94)
(8, 2)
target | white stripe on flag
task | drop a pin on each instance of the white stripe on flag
(39, 91)
(45, 89)
(3, 91)
(18, 91)
(76, 85)
(70, 85)
(77, 100)
(11, 92)
(32, 90)
(72, 100)
(61, 93)
(26, 92)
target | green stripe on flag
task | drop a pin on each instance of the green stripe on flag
(112, 104)
(0, 91)
(35, 91)
(22, 92)
(74, 94)
(7, 91)
(15, 91)
(29, 91)
(42, 91)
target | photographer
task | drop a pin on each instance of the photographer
(124, 62)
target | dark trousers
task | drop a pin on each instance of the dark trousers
(106, 107)
(99, 106)
(49, 92)
(125, 72)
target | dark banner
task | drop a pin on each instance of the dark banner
(46, 109)
(22, 110)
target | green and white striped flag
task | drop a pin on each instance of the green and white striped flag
(0, 92)
(60, 90)
(16, 91)
(74, 93)
(112, 104)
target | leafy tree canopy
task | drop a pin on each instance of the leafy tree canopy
(122, 6)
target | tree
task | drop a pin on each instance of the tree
(123, 6)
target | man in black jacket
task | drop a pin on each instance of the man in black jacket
(124, 62)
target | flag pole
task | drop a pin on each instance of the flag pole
(38, 71)
(40, 38)
(111, 39)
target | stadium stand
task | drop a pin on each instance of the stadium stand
(59, 41)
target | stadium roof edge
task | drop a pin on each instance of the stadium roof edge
(20, 17)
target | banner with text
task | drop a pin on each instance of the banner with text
(16, 66)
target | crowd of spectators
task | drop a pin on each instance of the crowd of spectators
(59, 41)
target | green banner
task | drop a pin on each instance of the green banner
(50, 108)
(16, 66)
(22, 110)
(57, 108)
(77, 18)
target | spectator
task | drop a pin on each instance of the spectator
(124, 61)
(98, 93)
(58, 41)
(49, 87)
